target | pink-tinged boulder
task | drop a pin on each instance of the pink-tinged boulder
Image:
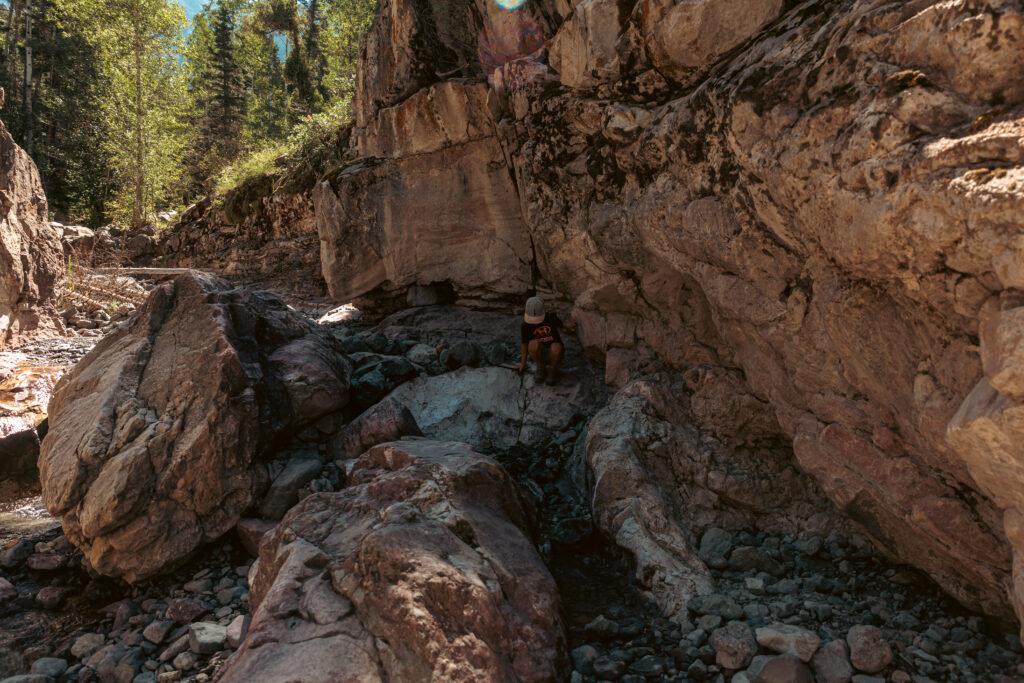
(31, 255)
(420, 570)
(186, 610)
(156, 435)
(869, 651)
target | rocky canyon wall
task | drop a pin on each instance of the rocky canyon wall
(824, 197)
(31, 255)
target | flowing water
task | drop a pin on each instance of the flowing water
(25, 389)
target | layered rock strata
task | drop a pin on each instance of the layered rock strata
(31, 253)
(438, 150)
(824, 198)
(156, 435)
(420, 570)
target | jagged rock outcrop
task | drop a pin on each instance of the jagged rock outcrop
(823, 197)
(156, 435)
(31, 254)
(419, 570)
(254, 234)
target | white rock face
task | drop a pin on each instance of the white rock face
(491, 407)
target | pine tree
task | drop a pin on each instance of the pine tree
(227, 95)
(143, 99)
(315, 56)
(347, 21)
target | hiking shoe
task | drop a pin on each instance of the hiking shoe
(552, 377)
(541, 372)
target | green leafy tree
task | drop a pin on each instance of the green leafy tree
(265, 89)
(347, 21)
(125, 111)
(145, 140)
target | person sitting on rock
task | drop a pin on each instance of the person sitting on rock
(540, 336)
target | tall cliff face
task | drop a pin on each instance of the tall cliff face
(31, 255)
(825, 196)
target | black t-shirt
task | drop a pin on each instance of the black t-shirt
(546, 332)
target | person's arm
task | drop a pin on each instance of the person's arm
(522, 361)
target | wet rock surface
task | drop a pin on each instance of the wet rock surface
(28, 375)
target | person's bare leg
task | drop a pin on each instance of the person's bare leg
(537, 354)
(556, 355)
(556, 358)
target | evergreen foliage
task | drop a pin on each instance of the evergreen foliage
(129, 109)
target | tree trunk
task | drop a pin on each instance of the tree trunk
(140, 174)
(9, 38)
(28, 77)
(54, 85)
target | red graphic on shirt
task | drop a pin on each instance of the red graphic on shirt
(543, 334)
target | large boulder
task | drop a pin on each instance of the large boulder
(420, 570)
(32, 267)
(156, 435)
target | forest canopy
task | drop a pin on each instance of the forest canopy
(128, 108)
